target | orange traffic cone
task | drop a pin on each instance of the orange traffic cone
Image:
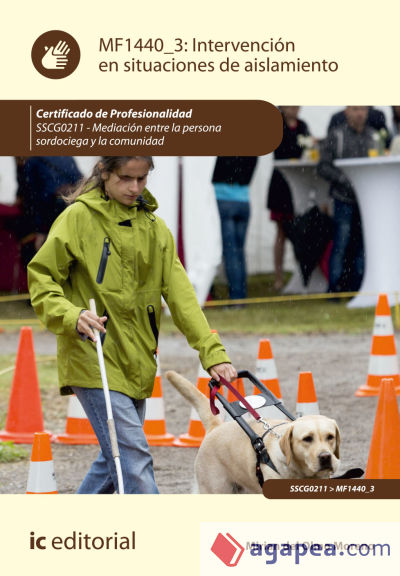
(24, 416)
(383, 358)
(239, 386)
(266, 369)
(41, 478)
(384, 452)
(154, 426)
(78, 429)
(196, 432)
(306, 397)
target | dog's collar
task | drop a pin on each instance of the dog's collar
(269, 428)
(262, 452)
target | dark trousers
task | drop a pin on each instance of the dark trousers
(346, 265)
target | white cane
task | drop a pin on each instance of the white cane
(110, 419)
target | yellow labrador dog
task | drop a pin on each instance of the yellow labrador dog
(304, 448)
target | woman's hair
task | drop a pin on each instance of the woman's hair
(106, 164)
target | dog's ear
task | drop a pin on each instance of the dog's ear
(337, 451)
(285, 444)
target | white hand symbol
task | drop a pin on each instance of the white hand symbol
(56, 57)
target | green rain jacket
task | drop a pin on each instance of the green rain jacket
(125, 258)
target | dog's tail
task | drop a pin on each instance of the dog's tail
(198, 400)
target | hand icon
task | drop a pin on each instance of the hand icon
(56, 57)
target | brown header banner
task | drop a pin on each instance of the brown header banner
(143, 127)
(324, 489)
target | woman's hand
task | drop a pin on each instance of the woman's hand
(87, 321)
(225, 370)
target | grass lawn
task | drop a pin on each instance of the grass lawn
(292, 318)
(289, 316)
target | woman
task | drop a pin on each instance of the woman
(110, 245)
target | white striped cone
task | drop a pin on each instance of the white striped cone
(306, 397)
(78, 429)
(41, 478)
(383, 361)
(267, 374)
(154, 426)
(196, 432)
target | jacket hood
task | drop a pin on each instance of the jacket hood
(96, 200)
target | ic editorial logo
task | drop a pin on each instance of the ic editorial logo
(55, 54)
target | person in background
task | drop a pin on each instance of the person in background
(231, 179)
(25, 230)
(352, 139)
(375, 119)
(43, 180)
(396, 120)
(279, 199)
(395, 144)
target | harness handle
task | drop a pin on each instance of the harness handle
(213, 392)
(214, 387)
(266, 392)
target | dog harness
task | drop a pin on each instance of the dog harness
(262, 456)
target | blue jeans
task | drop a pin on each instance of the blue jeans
(136, 460)
(234, 220)
(346, 265)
